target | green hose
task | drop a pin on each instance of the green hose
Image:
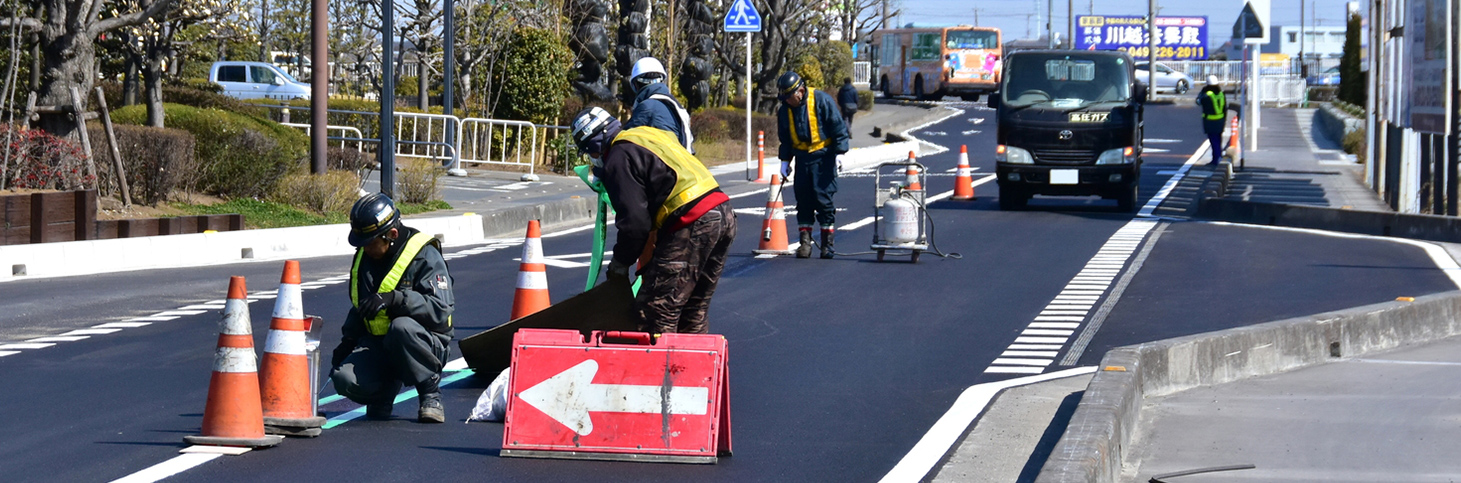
(601, 227)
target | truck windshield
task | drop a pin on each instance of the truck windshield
(971, 39)
(1064, 81)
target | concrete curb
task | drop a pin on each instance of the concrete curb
(1091, 450)
(1335, 123)
(62, 259)
(1404, 225)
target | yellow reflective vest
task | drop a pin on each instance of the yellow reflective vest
(692, 180)
(381, 323)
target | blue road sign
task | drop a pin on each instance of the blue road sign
(742, 17)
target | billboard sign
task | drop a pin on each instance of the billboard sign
(1178, 38)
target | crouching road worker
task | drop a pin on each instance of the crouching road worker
(657, 186)
(812, 133)
(399, 327)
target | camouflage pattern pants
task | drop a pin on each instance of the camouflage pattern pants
(682, 274)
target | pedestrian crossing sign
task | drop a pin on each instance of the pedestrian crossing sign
(742, 17)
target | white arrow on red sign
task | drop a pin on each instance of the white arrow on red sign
(570, 395)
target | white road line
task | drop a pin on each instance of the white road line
(553, 262)
(1013, 370)
(1050, 332)
(201, 307)
(8, 353)
(1058, 318)
(1054, 325)
(153, 318)
(1152, 204)
(73, 338)
(91, 332)
(1035, 347)
(178, 464)
(934, 444)
(188, 312)
(23, 346)
(1040, 340)
(749, 193)
(121, 325)
(1438, 255)
(857, 224)
(1050, 354)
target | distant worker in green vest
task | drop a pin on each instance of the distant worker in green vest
(399, 327)
(657, 187)
(812, 133)
(1214, 115)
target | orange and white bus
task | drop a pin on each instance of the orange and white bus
(929, 63)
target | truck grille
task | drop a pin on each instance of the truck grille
(1065, 156)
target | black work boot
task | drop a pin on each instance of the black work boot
(827, 239)
(805, 250)
(378, 410)
(430, 397)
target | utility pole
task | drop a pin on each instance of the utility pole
(386, 154)
(1303, 69)
(319, 85)
(1069, 24)
(1151, 46)
(976, 16)
(1049, 33)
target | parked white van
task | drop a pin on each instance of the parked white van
(256, 80)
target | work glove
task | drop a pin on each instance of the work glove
(377, 302)
(618, 270)
(341, 352)
(785, 169)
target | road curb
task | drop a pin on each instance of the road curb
(1106, 419)
(1379, 223)
(551, 215)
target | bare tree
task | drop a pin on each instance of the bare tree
(420, 29)
(787, 27)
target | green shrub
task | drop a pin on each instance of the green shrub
(332, 192)
(1354, 143)
(811, 71)
(407, 86)
(157, 160)
(264, 214)
(534, 76)
(835, 59)
(729, 124)
(200, 84)
(865, 100)
(189, 93)
(238, 155)
(347, 159)
(418, 179)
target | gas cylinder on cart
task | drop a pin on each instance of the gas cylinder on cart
(902, 225)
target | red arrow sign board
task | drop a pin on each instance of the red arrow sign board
(618, 398)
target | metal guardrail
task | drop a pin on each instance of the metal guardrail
(359, 138)
(428, 136)
(1282, 90)
(496, 141)
(862, 73)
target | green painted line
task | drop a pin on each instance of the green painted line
(405, 396)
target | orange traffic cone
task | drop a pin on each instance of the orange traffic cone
(773, 228)
(1233, 146)
(964, 180)
(912, 183)
(232, 416)
(284, 370)
(532, 276)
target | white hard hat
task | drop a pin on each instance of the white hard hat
(647, 65)
(1212, 80)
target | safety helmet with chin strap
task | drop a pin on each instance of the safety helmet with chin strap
(592, 129)
(787, 84)
(646, 71)
(373, 215)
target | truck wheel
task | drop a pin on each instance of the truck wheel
(1126, 201)
(918, 88)
(887, 94)
(970, 97)
(1011, 199)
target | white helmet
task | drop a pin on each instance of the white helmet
(646, 71)
(1212, 80)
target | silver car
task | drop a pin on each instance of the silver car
(1167, 79)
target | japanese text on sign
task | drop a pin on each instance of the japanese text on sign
(1178, 38)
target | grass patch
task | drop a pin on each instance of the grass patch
(268, 214)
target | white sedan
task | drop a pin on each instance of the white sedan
(1167, 79)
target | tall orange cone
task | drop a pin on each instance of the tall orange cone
(964, 180)
(284, 371)
(773, 226)
(232, 416)
(532, 276)
(912, 172)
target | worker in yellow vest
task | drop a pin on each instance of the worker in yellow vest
(1215, 108)
(656, 186)
(399, 327)
(813, 134)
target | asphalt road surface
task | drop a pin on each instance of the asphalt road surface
(838, 367)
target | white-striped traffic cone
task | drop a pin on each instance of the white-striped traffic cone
(532, 276)
(773, 226)
(232, 416)
(284, 371)
(964, 180)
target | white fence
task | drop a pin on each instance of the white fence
(345, 132)
(862, 74)
(428, 136)
(1282, 90)
(494, 141)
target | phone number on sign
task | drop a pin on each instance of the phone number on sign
(1169, 52)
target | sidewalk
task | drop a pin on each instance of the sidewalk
(1295, 164)
(1380, 417)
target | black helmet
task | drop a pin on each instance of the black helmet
(591, 130)
(788, 83)
(371, 216)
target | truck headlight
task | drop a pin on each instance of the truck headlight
(1012, 155)
(1124, 155)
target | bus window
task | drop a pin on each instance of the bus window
(890, 49)
(925, 47)
(971, 39)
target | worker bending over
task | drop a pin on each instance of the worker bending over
(812, 133)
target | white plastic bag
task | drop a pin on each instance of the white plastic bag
(492, 404)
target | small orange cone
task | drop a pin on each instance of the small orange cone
(761, 170)
(964, 181)
(1233, 146)
(284, 370)
(912, 183)
(232, 416)
(532, 276)
(773, 226)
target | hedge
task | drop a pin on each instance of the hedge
(157, 160)
(238, 155)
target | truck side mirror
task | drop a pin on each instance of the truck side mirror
(1139, 92)
(994, 100)
(278, 81)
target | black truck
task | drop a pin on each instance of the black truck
(1069, 123)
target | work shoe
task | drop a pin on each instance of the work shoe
(431, 410)
(827, 239)
(378, 410)
(805, 249)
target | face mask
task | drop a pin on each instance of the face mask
(598, 161)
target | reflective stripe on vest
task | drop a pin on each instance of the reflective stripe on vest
(692, 180)
(1219, 104)
(382, 322)
(682, 119)
(816, 143)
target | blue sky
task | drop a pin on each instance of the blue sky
(1010, 15)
